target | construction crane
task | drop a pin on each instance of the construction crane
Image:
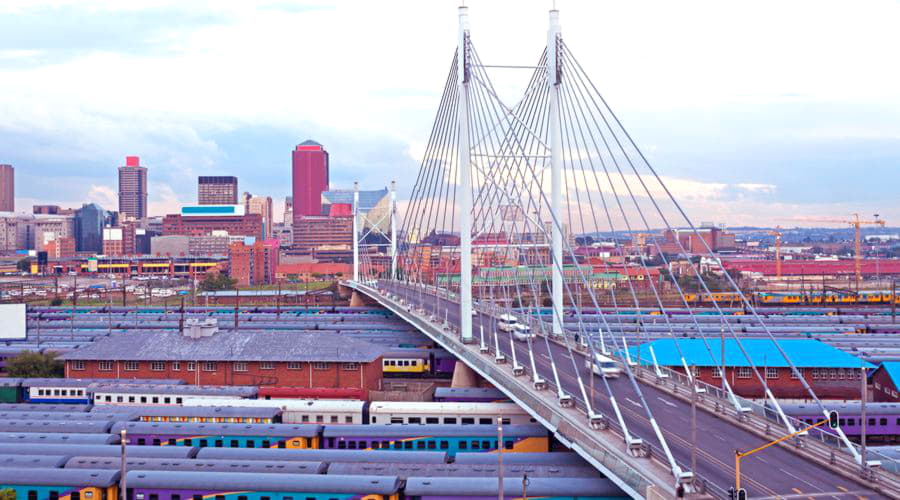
(777, 233)
(857, 224)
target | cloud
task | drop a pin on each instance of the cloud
(229, 87)
(105, 196)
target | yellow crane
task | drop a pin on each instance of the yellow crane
(777, 233)
(857, 224)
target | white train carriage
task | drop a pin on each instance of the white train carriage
(298, 411)
(158, 394)
(389, 412)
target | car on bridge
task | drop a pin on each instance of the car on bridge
(604, 366)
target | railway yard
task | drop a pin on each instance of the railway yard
(64, 436)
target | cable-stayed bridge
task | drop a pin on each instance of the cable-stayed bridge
(503, 189)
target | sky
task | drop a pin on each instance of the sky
(757, 113)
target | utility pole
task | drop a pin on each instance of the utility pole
(499, 458)
(74, 307)
(556, 165)
(693, 422)
(181, 320)
(278, 301)
(525, 486)
(237, 306)
(465, 181)
(863, 421)
(123, 486)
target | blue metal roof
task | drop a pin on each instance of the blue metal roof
(893, 370)
(804, 353)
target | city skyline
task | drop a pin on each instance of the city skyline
(751, 149)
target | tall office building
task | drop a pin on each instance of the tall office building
(7, 188)
(133, 188)
(309, 171)
(217, 190)
(89, 222)
(261, 205)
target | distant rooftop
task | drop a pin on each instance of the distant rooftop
(230, 346)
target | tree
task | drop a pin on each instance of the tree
(24, 265)
(55, 302)
(30, 364)
(7, 494)
(217, 281)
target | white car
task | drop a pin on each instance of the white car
(522, 332)
(604, 366)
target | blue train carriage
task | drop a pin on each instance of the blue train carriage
(449, 439)
(52, 484)
(301, 436)
(149, 485)
(576, 488)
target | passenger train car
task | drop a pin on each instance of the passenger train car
(883, 419)
(469, 395)
(794, 298)
(386, 412)
(220, 435)
(450, 439)
(418, 362)
(40, 484)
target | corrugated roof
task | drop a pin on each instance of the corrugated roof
(804, 353)
(230, 346)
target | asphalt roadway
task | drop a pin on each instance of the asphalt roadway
(772, 473)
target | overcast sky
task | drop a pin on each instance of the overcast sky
(798, 100)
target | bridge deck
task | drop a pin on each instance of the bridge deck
(773, 473)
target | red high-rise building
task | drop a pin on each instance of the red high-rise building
(309, 171)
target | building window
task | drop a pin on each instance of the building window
(293, 365)
(191, 366)
(351, 366)
(320, 365)
(772, 373)
(695, 370)
(267, 365)
(105, 366)
(209, 366)
(240, 366)
(716, 372)
(131, 366)
(743, 372)
(78, 364)
(795, 372)
(176, 366)
(833, 373)
(158, 366)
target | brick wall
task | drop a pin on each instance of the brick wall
(783, 386)
(883, 389)
(335, 375)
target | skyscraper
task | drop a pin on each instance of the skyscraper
(7, 188)
(217, 190)
(261, 205)
(309, 171)
(133, 188)
(89, 222)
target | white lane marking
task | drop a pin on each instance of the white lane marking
(761, 459)
(817, 487)
(635, 403)
(673, 405)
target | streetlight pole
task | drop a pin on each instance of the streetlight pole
(499, 458)
(123, 487)
(863, 423)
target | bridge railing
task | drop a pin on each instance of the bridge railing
(569, 432)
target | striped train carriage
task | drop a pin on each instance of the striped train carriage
(206, 414)
(296, 411)
(42, 484)
(188, 464)
(516, 438)
(300, 436)
(474, 488)
(116, 393)
(152, 485)
(74, 390)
